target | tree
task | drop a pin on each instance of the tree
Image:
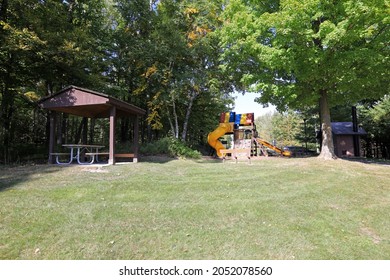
(185, 73)
(301, 53)
(19, 50)
(375, 118)
(264, 126)
(286, 127)
(132, 53)
(44, 46)
(76, 35)
(309, 127)
(162, 55)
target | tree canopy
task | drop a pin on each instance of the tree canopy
(300, 53)
(159, 55)
(181, 60)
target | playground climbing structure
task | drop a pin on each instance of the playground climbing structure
(241, 137)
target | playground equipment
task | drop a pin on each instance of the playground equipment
(245, 140)
(213, 137)
(272, 147)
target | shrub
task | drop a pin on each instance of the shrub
(171, 147)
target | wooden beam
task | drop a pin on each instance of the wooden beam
(111, 158)
(136, 138)
(52, 136)
(124, 155)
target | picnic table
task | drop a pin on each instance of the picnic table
(78, 152)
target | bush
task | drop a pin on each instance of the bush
(24, 152)
(171, 147)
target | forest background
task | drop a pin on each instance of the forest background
(176, 60)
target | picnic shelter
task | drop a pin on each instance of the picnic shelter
(91, 104)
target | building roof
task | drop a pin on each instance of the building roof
(346, 128)
(87, 103)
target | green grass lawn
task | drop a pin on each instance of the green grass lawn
(182, 209)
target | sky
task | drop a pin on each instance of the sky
(246, 104)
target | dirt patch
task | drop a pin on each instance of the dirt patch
(98, 169)
(371, 234)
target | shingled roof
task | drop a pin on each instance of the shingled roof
(88, 103)
(346, 128)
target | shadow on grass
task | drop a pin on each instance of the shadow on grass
(209, 159)
(368, 161)
(10, 176)
(165, 159)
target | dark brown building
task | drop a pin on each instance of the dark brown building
(347, 139)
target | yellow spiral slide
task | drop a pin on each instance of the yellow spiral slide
(221, 130)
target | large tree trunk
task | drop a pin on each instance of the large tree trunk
(327, 148)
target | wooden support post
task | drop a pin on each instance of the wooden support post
(136, 138)
(111, 158)
(52, 136)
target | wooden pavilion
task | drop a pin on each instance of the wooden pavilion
(91, 104)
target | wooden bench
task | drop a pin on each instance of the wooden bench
(224, 152)
(124, 155)
(107, 153)
(236, 153)
(97, 154)
(60, 154)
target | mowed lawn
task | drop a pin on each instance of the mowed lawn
(275, 208)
